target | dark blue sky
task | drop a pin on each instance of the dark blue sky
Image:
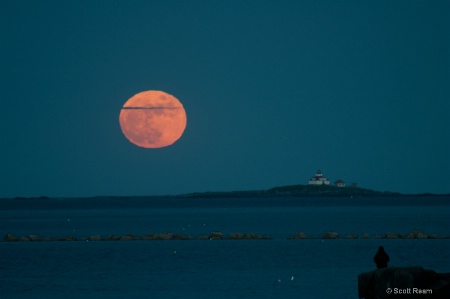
(273, 91)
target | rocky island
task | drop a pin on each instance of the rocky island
(318, 185)
(305, 191)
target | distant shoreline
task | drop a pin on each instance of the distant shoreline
(283, 191)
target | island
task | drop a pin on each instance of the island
(306, 191)
(318, 185)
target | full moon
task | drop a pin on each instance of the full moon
(152, 119)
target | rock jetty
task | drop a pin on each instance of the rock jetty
(218, 235)
(248, 236)
(408, 282)
(215, 235)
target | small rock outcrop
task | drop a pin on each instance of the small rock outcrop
(127, 238)
(216, 236)
(330, 235)
(34, 238)
(416, 235)
(11, 238)
(165, 236)
(392, 236)
(248, 236)
(298, 236)
(68, 238)
(351, 236)
(112, 238)
(94, 238)
(408, 282)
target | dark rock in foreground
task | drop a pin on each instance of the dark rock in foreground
(409, 282)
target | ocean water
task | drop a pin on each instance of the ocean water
(276, 268)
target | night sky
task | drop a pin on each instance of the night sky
(273, 91)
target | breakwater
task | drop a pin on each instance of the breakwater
(218, 235)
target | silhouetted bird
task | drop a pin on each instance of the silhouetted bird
(381, 258)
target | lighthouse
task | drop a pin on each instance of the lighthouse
(318, 179)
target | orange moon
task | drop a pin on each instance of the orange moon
(152, 119)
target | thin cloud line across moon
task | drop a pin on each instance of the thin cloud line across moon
(152, 119)
(149, 108)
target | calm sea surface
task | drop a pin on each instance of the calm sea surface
(276, 268)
